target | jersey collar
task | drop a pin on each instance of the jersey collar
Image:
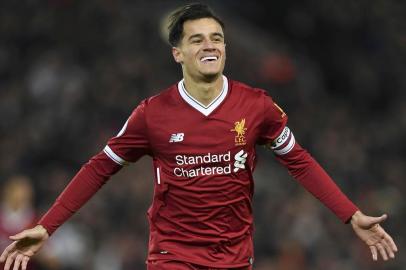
(206, 110)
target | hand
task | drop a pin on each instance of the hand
(368, 229)
(25, 245)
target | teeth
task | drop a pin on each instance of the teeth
(208, 58)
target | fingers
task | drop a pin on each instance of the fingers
(18, 261)
(387, 243)
(9, 249)
(10, 260)
(20, 235)
(382, 243)
(10, 254)
(382, 251)
(374, 253)
(376, 220)
(391, 243)
(388, 249)
(37, 232)
(25, 262)
(383, 217)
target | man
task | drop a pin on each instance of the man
(201, 134)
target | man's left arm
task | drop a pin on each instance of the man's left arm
(306, 170)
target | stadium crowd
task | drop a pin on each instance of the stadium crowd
(72, 71)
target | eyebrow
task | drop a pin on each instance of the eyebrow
(218, 34)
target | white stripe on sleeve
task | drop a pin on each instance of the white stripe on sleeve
(123, 129)
(114, 157)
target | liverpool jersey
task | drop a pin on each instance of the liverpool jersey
(203, 157)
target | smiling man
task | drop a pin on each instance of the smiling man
(204, 157)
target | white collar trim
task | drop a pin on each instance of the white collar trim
(206, 110)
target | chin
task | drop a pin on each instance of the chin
(211, 72)
(210, 76)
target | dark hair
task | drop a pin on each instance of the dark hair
(188, 12)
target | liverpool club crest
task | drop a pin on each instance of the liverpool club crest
(239, 128)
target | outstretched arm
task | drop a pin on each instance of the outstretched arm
(313, 178)
(83, 186)
(301, 165)
(308, 172)
(130, 144)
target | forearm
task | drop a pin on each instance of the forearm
(313, 178)
(91, 177)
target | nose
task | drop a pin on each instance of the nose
(208, 44)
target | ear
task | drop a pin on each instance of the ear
(177, 55)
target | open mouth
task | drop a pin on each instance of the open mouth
(209, 59)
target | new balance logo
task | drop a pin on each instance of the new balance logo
(240, 159)
(176, 137)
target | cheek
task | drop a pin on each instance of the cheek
(223, 50)
(190, 57)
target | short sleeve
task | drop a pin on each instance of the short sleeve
(274, 121)
(131, 143)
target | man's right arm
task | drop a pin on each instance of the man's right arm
(91, 177)
(130, 144)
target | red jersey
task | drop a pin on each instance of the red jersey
(204, 158)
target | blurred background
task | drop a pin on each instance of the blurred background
(72, 71)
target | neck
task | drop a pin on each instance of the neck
(204, 91)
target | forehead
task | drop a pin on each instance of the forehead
(201, 26)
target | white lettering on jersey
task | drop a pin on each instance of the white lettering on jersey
(208, 158)
(240, 159)
(176, 137)
(209, 164)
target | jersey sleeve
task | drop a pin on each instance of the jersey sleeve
(273, 123)
(307, 171)
(128, 146)
(90, 178)
(301, 165)
(131, 143)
